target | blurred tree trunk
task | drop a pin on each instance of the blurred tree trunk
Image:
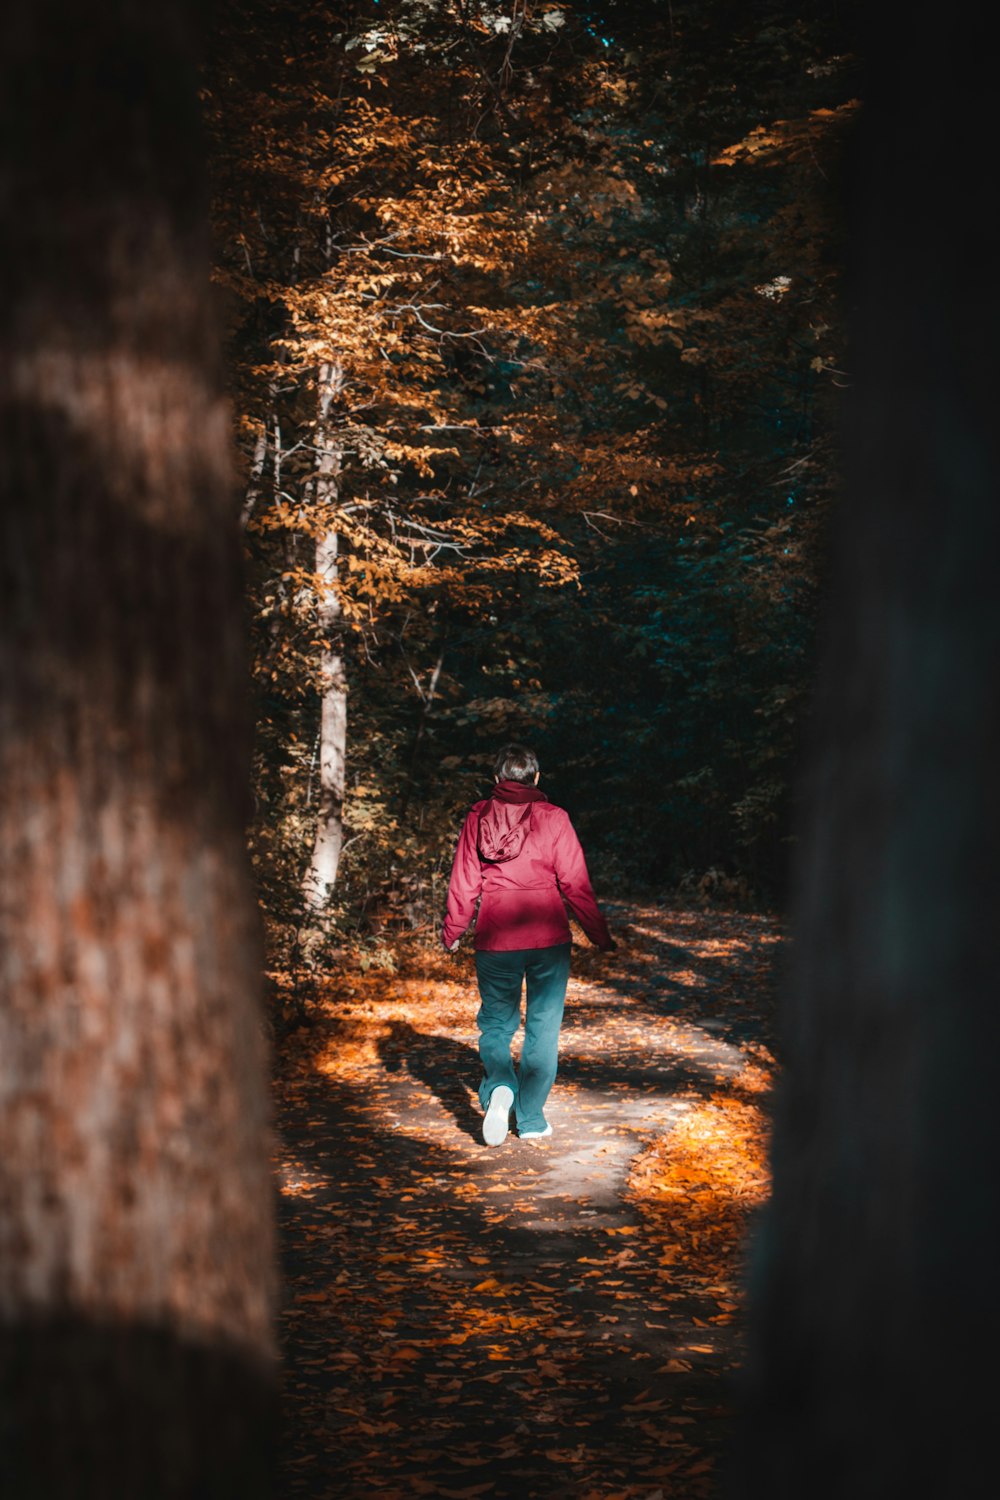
(321, 876)
(875, 1301)
(135, 1192)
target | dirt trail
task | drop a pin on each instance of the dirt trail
(462, 1321)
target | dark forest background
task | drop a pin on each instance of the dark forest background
(536, 339)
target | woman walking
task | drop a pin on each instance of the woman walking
(519, 858)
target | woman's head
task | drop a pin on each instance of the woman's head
(516, 763)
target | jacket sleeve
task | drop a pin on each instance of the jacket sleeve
(466, 882)
(574, 886)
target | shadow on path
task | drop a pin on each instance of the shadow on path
(449, 1069)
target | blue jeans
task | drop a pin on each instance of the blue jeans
(545, 972)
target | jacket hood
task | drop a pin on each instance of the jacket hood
(505, 822)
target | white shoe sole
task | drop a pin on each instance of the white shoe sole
(535, 1135)
(497, 1121)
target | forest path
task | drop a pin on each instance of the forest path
(546, 1318)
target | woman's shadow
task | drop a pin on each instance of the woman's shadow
(449, 1069)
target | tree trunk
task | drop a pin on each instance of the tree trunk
(875, 1291)
(321, 875)
(136, 1352)
(267, 443)
(255, 478)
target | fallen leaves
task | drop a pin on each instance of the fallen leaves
(713, 1166)
(560, 1322)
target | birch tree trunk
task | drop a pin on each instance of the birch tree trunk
(268, 443)
(255, 478)
(876, 1310)
(321, 876)
(136, 1248)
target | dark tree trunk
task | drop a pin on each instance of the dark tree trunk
(875, 1289)
(135, 1194)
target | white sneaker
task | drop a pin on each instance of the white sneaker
(497, 1121)
(535, 1135)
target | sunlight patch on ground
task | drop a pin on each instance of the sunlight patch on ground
(699, 1184)
(298, 1181)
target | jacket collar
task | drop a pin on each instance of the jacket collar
(517, 791)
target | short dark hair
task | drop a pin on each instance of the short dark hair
(516, 763)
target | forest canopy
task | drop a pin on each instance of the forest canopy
(536, 344)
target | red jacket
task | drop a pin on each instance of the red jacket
(519, 857)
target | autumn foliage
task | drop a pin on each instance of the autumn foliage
(575, 274)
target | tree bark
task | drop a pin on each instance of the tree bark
(136, 1246)
(321, 876)
(874, 1295)
(256, 477)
